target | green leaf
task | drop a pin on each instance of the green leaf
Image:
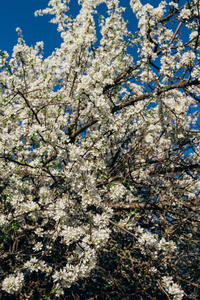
(112, 185)
(32, 137)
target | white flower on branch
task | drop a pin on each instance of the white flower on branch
(100, 153)
(13, 283)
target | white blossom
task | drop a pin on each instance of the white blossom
(13, 283)
(172, 288)
(99, 142)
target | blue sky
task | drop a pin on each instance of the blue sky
(20, 13)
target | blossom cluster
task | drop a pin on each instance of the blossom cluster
(172, 288)
(151, 245)
(91, 132)
(13, 283)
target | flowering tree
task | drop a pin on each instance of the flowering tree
(99, 157)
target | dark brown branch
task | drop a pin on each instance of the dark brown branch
(178, 169)
(163, 290)
(15, 161)
(182, 84)
(124, 229)
(172, 39)
(142, 206)
(84, 127)
(178, 85)
(27, 102)
(160, 207)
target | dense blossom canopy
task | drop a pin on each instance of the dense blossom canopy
(100, 156)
